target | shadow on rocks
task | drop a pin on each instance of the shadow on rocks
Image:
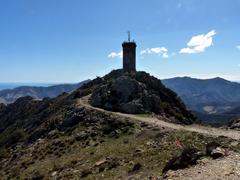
(188, 157)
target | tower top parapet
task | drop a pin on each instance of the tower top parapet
(129, 54)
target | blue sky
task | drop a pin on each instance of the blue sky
(70, 40)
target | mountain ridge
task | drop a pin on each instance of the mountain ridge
(210, 99)
(200, 87)
(213, 100)
(8, 96)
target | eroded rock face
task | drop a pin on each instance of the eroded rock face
(120, 95)
(138, 93)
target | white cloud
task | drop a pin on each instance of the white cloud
(199, 43)
(165, 55)
(238, 47)
(162, 51)
(115, 55)
(143, 52)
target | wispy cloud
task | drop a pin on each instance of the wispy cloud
(162, 51)
(115, 55)
(238, 47)
(199, 43)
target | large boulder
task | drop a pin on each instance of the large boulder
(214, 150)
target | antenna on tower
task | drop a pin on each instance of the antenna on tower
(129, 36)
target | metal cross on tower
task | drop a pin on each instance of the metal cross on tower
(129, 36)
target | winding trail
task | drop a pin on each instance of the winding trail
(232, 134)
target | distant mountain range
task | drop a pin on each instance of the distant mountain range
(8, 96)
(212, 100)
(4, 86)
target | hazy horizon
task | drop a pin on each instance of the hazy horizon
(45, 84)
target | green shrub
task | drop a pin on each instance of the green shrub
(12, 138)
(3, 153)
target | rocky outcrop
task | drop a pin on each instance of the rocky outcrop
(234, 124)
(121, 95)
(214, 150)
(138, 93)
(192, 156)
(188, 157)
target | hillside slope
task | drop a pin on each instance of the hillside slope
(61, 139)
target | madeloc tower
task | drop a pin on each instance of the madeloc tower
(129, 54)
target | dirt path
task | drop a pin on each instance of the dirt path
(227, 168)
(152, 120)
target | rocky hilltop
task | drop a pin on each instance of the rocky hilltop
(138, 93)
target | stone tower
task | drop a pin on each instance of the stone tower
(129, 55)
